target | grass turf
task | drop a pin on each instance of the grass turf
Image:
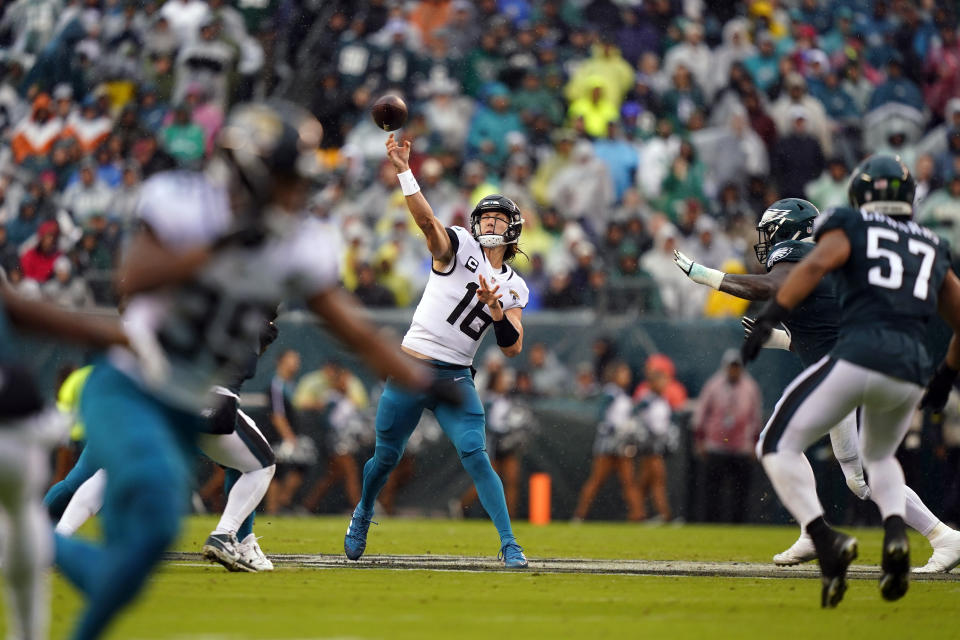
(206, 603)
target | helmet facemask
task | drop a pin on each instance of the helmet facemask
(494, 205)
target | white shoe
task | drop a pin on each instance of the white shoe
(801, 551)
(946, 554)
(253, 554)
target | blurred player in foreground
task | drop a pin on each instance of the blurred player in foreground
(28, 431)
(892, 276)
(470, 287)
(810, 331)
(231, 439)
(217, 253)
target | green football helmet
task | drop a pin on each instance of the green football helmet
(787, 219)
(882, 184)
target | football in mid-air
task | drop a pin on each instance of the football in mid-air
(389, 112)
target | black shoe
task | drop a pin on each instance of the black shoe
(834, 560)
(224, 548)
(896, 559)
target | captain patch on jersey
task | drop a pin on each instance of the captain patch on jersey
(450, 321)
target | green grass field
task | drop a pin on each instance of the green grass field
(207, 603)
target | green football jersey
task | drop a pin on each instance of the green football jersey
(888, 291)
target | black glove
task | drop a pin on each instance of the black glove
(938, 388)
(446, 391)
(772, 315)
(268, 335)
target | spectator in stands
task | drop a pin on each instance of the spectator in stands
(65, 289)
(941, 211)
(784, 111)
(446, 111)
(184, 139)
(33, 137)
(615, 446)
(683, 98)
(90, 127)
(185, 17)
(22, 228)
(37, 262)
(285, 422)
(605, 67)
(830, 189)
(763, 65)
(897, 88)
(548, 374)
(9, 252)
(88, 196)
(926, 178)
(490, 125)
(593, 113)
(798, 157)
(208, 60)
(584, 187)
(943, 67)
(691, 54)
(124, 203)
(370, 292)
(726, 427)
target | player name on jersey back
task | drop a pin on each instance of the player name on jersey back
(450, 320)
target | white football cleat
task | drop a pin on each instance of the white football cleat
(946, 554)
(253, 554)
(801, 551)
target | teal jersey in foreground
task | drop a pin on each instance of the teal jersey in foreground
(813, 324)
(888, 291)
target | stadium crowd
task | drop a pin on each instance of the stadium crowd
(622, 129)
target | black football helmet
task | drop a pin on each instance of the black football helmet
(787, 219)
(264, 143)
(883, 184)
(503, 204)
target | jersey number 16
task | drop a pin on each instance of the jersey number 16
(466, 326)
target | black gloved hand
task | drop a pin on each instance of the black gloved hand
(938, 388)
(772, 315)
(268, 334)
(446, 391)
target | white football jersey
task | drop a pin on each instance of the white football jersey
(450, 321)
(207, 328)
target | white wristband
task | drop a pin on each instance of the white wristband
(705, 275)
(408, 184)
(779, 339)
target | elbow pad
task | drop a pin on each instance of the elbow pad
(507, 334)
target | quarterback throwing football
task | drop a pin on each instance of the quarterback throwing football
(471, 287)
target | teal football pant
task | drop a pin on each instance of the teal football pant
(399, 412)
(144, 446)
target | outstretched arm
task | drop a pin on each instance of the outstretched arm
(749, 287)
(344, 317)
(40, 317)
(760, 286)
(438, 242)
